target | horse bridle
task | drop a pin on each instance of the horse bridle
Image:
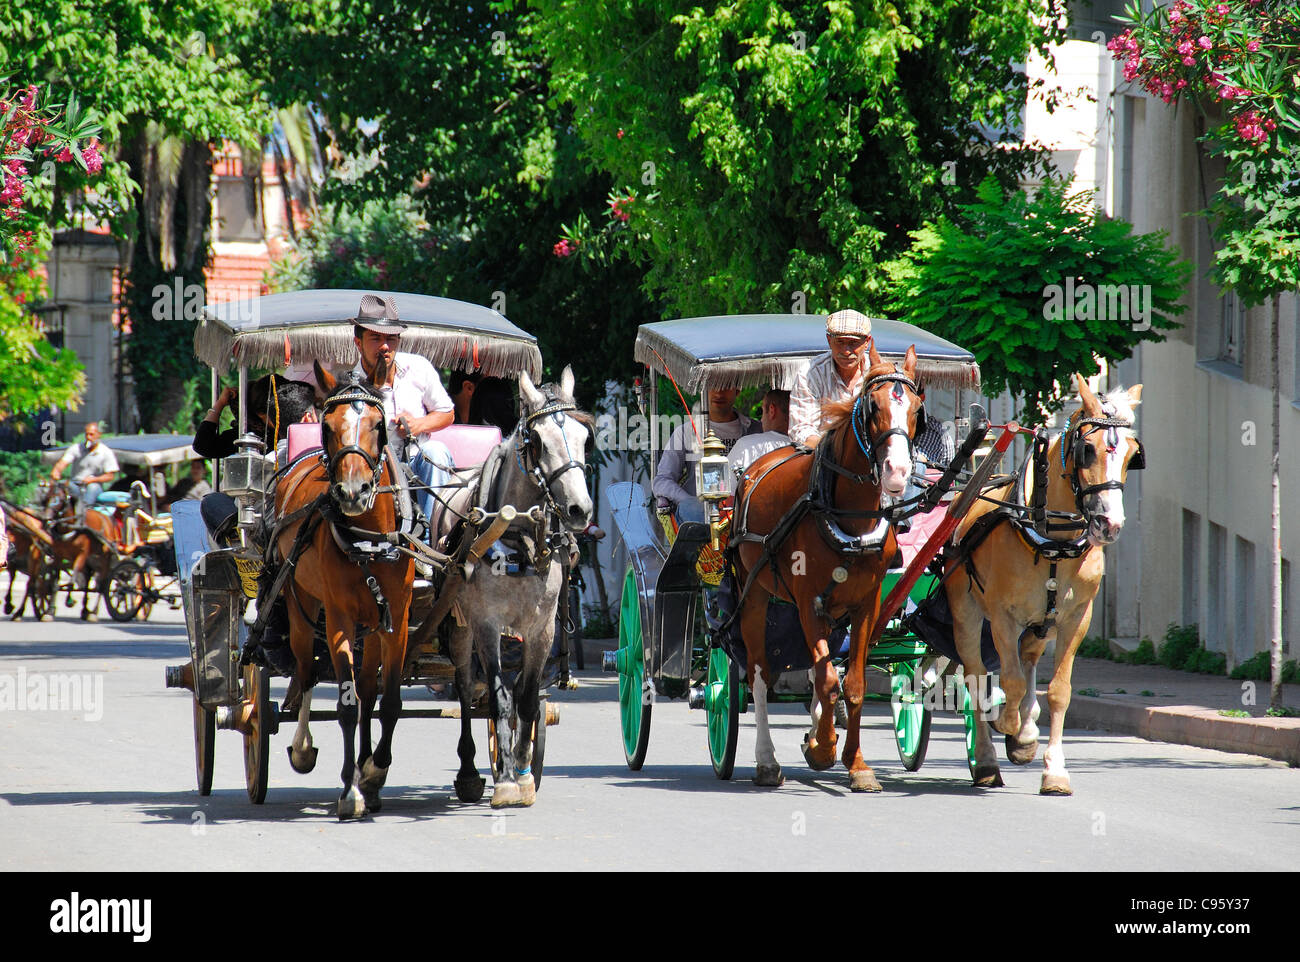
(864, 414)
(1082, 455)
(357, 395)
(556, 409)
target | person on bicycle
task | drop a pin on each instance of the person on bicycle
(90, 466)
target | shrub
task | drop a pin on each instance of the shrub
(1180, 645)
(1255, 668)
(1143, 654)
(1094, 647)
(1206, 662)
(19, 472)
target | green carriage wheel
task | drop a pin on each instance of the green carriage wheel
(911, 715)
(633, 704)
(724, 699)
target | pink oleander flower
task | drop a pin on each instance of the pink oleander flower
(1253, 46)
(1181, 84)
(94, 161)
(563, 248)
(1189, 62)
(1205, 43)
(1221, 9)
(1175, 15)
(1185, 48)
(65, 156)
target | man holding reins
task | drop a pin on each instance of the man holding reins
(93, 465)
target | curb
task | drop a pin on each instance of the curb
(1276, 738)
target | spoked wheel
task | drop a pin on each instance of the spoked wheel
(634, 706)
(125, 591)
(41, 591)
(724, 698)
(205, 743)
(911, 715)
(257, 743)
(539, 745)
(148, 594)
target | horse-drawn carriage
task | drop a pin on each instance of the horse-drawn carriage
(328, 524)
(664, 653)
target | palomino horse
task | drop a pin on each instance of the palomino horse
(1011, 584)
(828, 553)
(539, 468)
(340, 498)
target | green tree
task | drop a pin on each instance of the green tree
(1037, 288)
(775, 152)
(168, 81)
(1239, 63)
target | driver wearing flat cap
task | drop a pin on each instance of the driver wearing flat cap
(834, 376)
(415, 402)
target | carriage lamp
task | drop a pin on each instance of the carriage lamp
(713, 482)
(247, 475)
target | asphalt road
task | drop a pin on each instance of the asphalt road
(111, 787)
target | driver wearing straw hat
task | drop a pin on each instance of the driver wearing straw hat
(415, 402)
(834, 376)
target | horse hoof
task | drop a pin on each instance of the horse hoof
(47, 617)
(863, 780)
(817, 761)
(352, 805)
(1055, 785)
(1021, 754)
(769, 776)
(304, 763)
(9, 608)
(506, 795)
(987, 776)
(469, 788)
(372, 776)
(88, 616)
(527, 790)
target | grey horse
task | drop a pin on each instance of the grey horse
(540, 470)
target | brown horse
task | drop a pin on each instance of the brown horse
(346, 496)
(1010, 585)
(831, 563)
(51, 535)
(27, 541)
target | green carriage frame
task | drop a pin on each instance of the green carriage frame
(659, 608)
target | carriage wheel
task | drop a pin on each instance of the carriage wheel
(724, 697)
(634, 707)
(124, 592)
(911, 715)
(148, 595)
(257, 744)
(44, 587)
(205, 743)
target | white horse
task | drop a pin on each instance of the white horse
(540, 468)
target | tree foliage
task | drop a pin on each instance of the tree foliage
(773, 148)
(1034, 287)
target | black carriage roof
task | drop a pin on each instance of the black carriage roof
(142, 449)
(740, 350)
(317, 325)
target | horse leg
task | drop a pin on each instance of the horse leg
(1007, 635)
(367, 694)
(861, 777)
(1023, 747)
(968, 625)
(302, 753)
(505, 787)
(819, 742)
(1056, 780)
(374, 770)
(469, 784)
(753, 621)
(351, 804)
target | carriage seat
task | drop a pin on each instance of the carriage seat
(470, 444)
(923, 525)
(303, 438)
(113, 498)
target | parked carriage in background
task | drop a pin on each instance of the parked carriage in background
(232, 692)
(663, 650)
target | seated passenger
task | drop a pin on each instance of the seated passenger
(493, 403)
(90, 465)
(776, 427)
(674, 481)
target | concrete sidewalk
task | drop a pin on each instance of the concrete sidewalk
(1177, 706)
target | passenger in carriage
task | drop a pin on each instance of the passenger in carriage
(674, 481)
(460, 387)
(295, 401)
(775, 420)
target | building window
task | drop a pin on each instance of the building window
(1216, 600)
(1191, 568)
(1232, 329)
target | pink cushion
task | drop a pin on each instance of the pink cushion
(303, 438)
(470, 444)
(923, 525)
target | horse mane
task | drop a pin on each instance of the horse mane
(836, 413)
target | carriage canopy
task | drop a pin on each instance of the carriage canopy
(770, 349)
(278, 329)
(151, 450)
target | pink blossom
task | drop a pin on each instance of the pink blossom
(1253, 46)
(94, 162)
(563, 248)
(1188, 61)
(1185, 48)
(1175, 15)
(1221, 9)
(65, 156)
(620, 133)
(1205, 43)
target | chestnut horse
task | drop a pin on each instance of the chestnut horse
(27, 536)
(50, 534)
(1087, 466)
(830, 564)
(343, 496)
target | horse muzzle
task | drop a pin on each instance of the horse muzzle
(353, 497)
(1102, 532)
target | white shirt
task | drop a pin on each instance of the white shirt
(752, 447)
(89, 464)
(819, 382)
(416, 389)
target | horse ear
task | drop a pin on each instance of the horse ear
(873, 354)
(325, 381)
(566, 382)
(1135, 394)
(531, 397)
(909, 362)
(1088, 399)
